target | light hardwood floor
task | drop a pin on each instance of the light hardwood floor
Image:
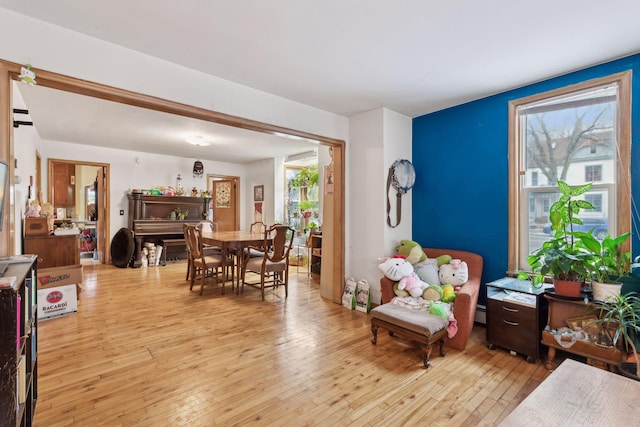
(144, 351)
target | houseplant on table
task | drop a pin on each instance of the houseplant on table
(564, 256)
(609, 264)
(620, 316)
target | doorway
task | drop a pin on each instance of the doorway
(79, 194)
(224, 201)
(334, 206)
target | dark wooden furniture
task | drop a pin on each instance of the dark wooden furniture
(18, 342)
(415, 325)
(516, 316)
(64, 188)
(54, 251)
(232, 243)
(316, 254)
(150, 219)
(561, 309)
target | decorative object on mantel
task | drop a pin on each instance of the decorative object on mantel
(198, 169)
(179, 189)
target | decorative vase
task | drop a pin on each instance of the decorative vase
(567, 288)
(603, 291)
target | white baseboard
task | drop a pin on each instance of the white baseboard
(481, 314)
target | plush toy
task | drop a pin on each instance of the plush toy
(412, 284)
(443, 259)
(438, 309)
(455, 273)
(395, 268)
(448, 293)
(412, 250)
(428, 271)
(432, 293)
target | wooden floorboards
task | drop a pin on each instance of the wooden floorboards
(144, 351)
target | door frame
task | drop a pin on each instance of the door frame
(104, 242)
(236, 180)
(335, 226)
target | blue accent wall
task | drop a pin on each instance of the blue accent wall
(460, 198)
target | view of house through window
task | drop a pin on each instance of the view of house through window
(572, 137)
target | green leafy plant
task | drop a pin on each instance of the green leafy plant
(180, 213)
(621, 316)
(306, 177)
(609, 262)
(564, 256)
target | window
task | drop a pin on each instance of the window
(553, 136)
(593, 173)
(595, 200)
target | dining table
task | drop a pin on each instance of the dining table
(233, 243)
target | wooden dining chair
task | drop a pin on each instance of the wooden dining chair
(273, 266)
(211, 226)
(202, 266)
(189, 254)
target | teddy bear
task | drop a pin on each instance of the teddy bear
(412, 284)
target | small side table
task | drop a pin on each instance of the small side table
(516, 316)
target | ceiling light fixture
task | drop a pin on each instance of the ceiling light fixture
(301, 156)
(198, 140)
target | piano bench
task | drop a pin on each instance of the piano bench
(168, 243)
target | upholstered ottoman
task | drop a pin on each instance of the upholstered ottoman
(415, 325)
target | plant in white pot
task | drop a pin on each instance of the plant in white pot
(609, 264)
(564, 257)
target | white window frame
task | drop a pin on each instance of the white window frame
(622, 197)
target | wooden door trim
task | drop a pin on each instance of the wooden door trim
(104, 241)
(11, 70)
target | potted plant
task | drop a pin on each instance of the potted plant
(564, 257)
(620, 316)
(609, 264)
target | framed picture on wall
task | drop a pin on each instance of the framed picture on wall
(258, 193)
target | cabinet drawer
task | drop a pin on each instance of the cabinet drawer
(513, 327)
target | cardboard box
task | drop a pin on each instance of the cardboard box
(58, 276)
(57, 301)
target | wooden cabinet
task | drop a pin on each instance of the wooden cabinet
(64, 189)
(54, 251)
(563, 308)
(516, 316)
(18, 342)
(316, 254)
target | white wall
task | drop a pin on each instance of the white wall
(377, 138)
(63, 51)
(261, 172)
(153, 170)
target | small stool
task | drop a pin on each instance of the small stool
(415, 325)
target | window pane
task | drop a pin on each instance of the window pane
(571, 138)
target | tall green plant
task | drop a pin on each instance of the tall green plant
(564, 256)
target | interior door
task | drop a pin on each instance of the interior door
(101, 209)
(224, 203)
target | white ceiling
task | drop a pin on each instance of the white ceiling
(349, 56)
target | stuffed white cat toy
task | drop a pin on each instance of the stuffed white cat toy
(395, 268)
(455, 273)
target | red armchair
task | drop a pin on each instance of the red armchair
(464, 307)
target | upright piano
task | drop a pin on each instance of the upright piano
(151, 220)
